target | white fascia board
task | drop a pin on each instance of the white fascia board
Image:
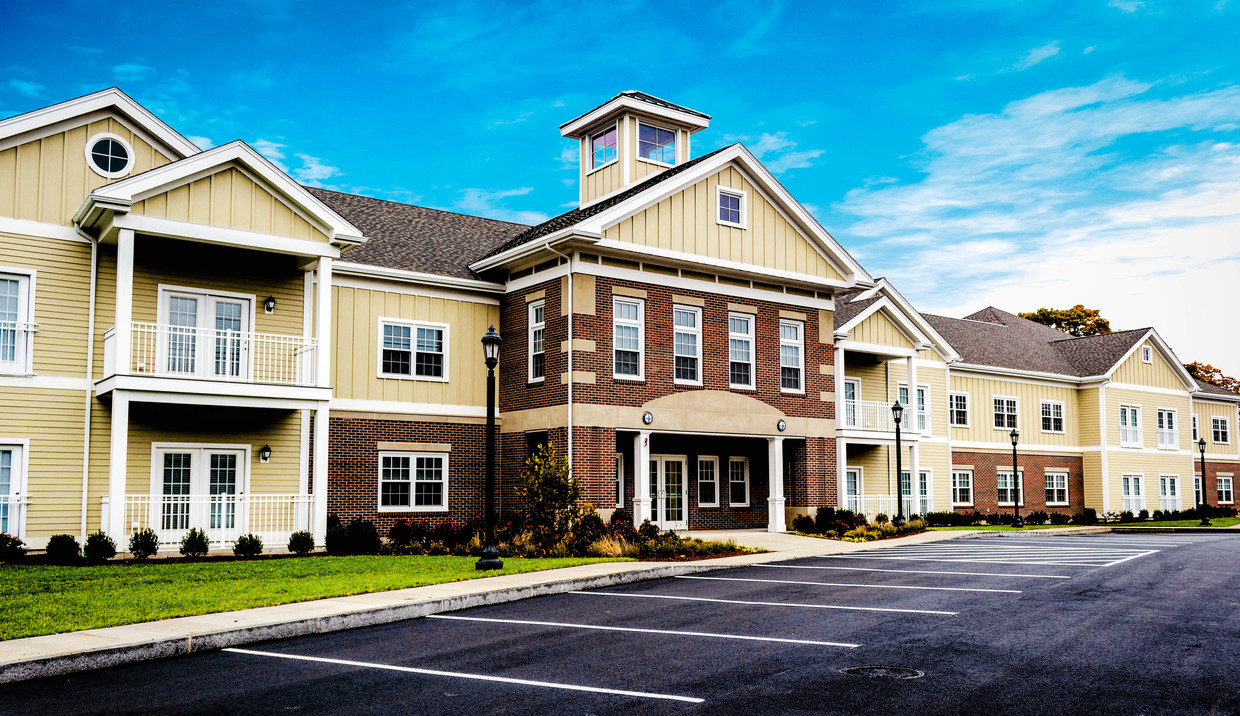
(348, 268)
(702, 262)
(574, 127)
(196, 391)
(860, 347)
(25, 227)
(216, 235)
(896, 316)
(535, 245)
(992, 371)
(940, 343)
(1201, 395)
(111, 98)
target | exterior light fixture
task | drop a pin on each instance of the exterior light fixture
(1202, 507)
(269, 304)
(897, 414)
(264, 453)
(1018, 522)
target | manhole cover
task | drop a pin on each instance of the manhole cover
(883, 672)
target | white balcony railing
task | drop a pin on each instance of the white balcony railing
(1134, 504)
(239, 356)
(876, 416)
(12, 509)
(223, 517)
(14, 341)
(874, 505)
(1169, 503)
(1129, 437)
(1168, 439)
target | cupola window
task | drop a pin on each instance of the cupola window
(656, 144)
(603, 147)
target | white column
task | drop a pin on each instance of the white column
(775, 478)
(124, 301)
(841, 448)
(118, 448)
(641, 478)
(910, 420)
(323, 311)
(320, 472)
(911, 428)
(913, 492)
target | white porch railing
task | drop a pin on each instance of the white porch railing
(1168, 503)
(873, 505)
(240, 356)
(1134, 504)
(876, 416)
(14, 341)
(1129, 437)
(12, 508)
(1168, 439)
(223, 517)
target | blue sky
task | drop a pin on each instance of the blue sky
(1018, 153)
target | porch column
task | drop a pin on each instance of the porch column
(775, 477)
(323, 310)
(320, 473)
(124, 301)
(841, 473)
(641, 478)
(841, 449)
(114, 520)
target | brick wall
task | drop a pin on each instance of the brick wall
(985, 481)
(1187, 497)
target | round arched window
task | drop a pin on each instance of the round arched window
(109, 155)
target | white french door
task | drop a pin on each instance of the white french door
(1169, 492)
(669, 498)
(205, 335)
(198, 488)
(852, 393)
(11, 490)
(852, 488)
(1134, 500)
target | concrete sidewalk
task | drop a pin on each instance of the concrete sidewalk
(36, 657)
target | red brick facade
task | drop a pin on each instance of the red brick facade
(986, 486)
(1213, 469)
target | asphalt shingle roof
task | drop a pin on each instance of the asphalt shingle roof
(848, 308)
(1213, 389)
(643, 97)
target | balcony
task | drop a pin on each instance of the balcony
(14, 346)
(223, 517)
(1168, 439)
(873, 416)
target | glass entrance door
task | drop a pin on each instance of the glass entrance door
(669, 500)
(852, 489)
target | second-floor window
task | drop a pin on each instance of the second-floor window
(958, 409)
(1168, 433)
(916, 420)
(1005, 413)
(1195, 429)
(628, 336)
(656, 144)
(15, 329)
(603, 148)
(740, 350)
(791, 356)
(1052, 416)
(687, 344)
(413, 350)
(1221, 429)
(199, 333)
(1129, 426)
(538, 340)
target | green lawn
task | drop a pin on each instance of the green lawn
(1214, 522)
(42, 599)
(1005, 528)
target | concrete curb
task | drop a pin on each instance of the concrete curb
(1063, 532)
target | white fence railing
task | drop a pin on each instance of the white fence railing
(1168, 439)
(223, 517)
(876, 416)
(242, 356)
(14, 344)
(1129, 437)
(1168, 503)
(1134, 504)
(874, 505)
(12, 511)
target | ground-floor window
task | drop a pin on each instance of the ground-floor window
(1056, 488)
(1010, 488)
(1224, 490)
(1134, 497)
(738, 481)
(708, 481)
(413, 482)
(962, 487)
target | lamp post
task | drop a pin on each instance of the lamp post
(1018, 522)
(897, 413)
(1202, 507)
(490, 351)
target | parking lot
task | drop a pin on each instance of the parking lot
(1000, 624)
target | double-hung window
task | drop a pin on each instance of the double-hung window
(1168, 432)
(413, 482)
(1056, 488)
(962, 487)
(1196, 432)
(629, 338)
(16, 321)
(1225, 496)
(1005, 413)
(1052, 416)
(738, 481)
(413, 350)
(538, 340)
(916, 420)
(708, 481)
(656, 144)
(687, 344)
(1221, 429)
(740, 350)
(603, 149)
(731, 207)
(1129, 426)
(792, 356)
(1009, 487)
(958, 409)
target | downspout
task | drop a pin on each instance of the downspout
(570, 354)
(90, 376)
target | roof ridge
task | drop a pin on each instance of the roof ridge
(1102, 335)
(969, 320)
(415, 206)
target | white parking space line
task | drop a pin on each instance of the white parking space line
(767, 604)
(913, 571)
(861, 586)
(1073, 563)
(1080, 541)
(646, 631)
(474, 677)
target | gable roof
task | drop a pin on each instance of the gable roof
(853, 307)
(415, 238)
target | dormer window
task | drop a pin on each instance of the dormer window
(603, 149)
(656, 144)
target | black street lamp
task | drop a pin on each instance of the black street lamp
(1018, 522)
(897, 412)
(1202, 507)
(490, 351)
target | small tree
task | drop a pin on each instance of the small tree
(550, 497)
(1075, 321)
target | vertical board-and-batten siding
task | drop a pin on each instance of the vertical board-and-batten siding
(686, 222)
(1206, 411)
(47, 179)
(232, 200)
(1156, 374)
(356, 337)
(879, 330)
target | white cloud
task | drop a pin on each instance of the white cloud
(569, 158)
(272, 150)
(26, 87)
(1037, 55)
(1105, 195)
(313, 171)
(1128, 6)
(131, 72)
(777, 151)
(202, 143)
(483, 202)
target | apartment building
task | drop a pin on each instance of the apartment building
(191, 338)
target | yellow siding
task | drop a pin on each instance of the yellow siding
(603, 181)
(1205, 411)
(935, 379)
(229, 199)
(982, 392)
(1157, 374)
(1091, 427)
(355, 338)
(879, 330)
(873, 377)
(1149, 403)
(1149, 465)
(61, 299)
(47, 179)
(1092, 467)
(685, 222)
(52, 421)
(936, 458)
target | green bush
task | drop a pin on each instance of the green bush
(1126, 516)
(63, 549)
(358, 537)
(1059, 518)
(648, 530)
(550, 498)
(1037, 517)
(1088, 517)
(803, 523)
(301, 542)
(248, 545)
(143, 543)
(12, 549)
(1143, 515)
(337, 540)
(99, 548)
(881, 519)
(195, 543)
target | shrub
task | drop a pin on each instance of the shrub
(589, 529)
(333, 520)
(648, 530)
(143, 543)
(1125, 516)
(829, 519)
(620, 514)
(195, 543)
(363, 538)
(550, 497)
(248, 545)
(1001, 518)
(301, 542)
(1059, 518)
(99, 548)
(1143, 515)
(337, 540)
(803, 523)
(1089, 516)
(12, 549)
(63, 549)
(1037, 517)
(606, 546)
(880, 518)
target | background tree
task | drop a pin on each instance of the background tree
(1075, 321)
(1212, 375)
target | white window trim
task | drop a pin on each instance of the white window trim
(90, 162)
(1006, 428)
(1063, 416)
(1140, 431)
(1066, 490)
(529, 336)
(698, 480)
(738, 193)
(953, 488)
(860, 470)
(197, 463)
(590, 149)
(18, 487)
(746, 502)
(1140, 480)
(1175, 418)
(951, 409)
(26, 327)
(413, 350)
(753, 349)
(637, 142)
(1218, 489)
(1196, 429)
(697, 311)
(1147, 354)
(619, 480)
(1226, 423)
(413, 466)
(641, 337)
(911, 407)
(1020, 487)
(800, 344)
